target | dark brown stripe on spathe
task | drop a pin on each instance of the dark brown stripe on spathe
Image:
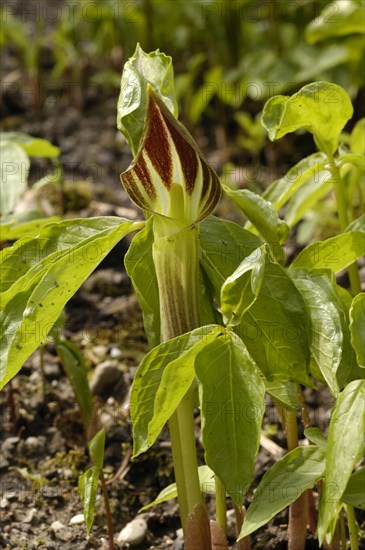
(132, 189)
(157, 144)
(187, 155)
(206, 179)
(144, 176)
(214, 195)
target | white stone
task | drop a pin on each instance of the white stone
(57, 526)
(77, 520)
(134, 532)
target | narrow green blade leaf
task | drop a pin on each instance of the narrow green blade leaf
(335, 253)
(357, 326)
(73, 363)
(322, 108)
(88, 490)
(345, 443)
(142, 68)
(33, 303)
(232, 408)
(14, 169)
(96, 448)
(355, 491)
(261, 214)
(15, 227)
(242, 288)
(293, 474)
(148, 379)
(207, 485)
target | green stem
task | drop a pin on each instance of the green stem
(107, 511)
(339, 188)
(176, 260)
(298, 511)
(354, 541)
(221, 504)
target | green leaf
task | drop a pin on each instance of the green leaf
(224, 245)
(354, 492)
(357, 225)
(321, 108)
(42, 274)
(14, 169)
(285, 393)
(154, 396)
(293, 474)
(357, 138)
(319, 293)
(232, 407)
(34, 147)
(25, 224)
(142, 68)
(281, 190)
(337, 19)
(96, 448)
(357, 325)
(73, 363)
(140, 268)
(345, 443)
(315, 436)
(308, 196)
(261, 214)
(207, 485)
(88, 490)
(241, 289)
(275, 329)
(335, 253)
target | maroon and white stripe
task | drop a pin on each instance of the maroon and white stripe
(167, 155)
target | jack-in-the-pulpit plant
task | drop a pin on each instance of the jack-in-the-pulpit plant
(225, 320)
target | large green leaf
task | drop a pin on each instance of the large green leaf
(335, 253)
(34, 147)
(224, 245)
(261, 214)
(318, 291)
(293, 474)
(337, 19)
(345, 444)
(242, 288)
(357, 326)
(275, 329)
(88, 481)
(42, 274)
(322, 108)
(142, 68)
(281, 190)
(14, 169)
(285, 393)
(154, 397)
(355, 490)
(232, 407)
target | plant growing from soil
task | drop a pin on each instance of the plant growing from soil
(225, 320)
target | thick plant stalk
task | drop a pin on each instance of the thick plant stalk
(176, 259)
(298, 511)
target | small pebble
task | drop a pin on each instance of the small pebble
(105, 375)
(134, 532)
(57, 526)
(77, 520)
(115, 353)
